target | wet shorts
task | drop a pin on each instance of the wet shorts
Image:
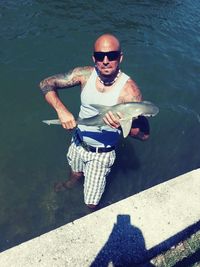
(95, 166)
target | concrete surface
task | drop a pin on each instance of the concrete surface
(125, 233)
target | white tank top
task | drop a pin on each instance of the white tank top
(105, 135)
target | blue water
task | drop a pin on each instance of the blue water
(160, 41)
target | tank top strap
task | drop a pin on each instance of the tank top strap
(123, 78)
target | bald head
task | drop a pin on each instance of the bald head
(107, 42)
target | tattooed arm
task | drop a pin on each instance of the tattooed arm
(130, 93)
(140, 127)
(49, 87)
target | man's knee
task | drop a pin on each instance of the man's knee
(76, 174)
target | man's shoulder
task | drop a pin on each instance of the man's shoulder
(130, 92)
(130, 83)
(83, 71)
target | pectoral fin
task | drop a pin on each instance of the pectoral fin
(126, 126)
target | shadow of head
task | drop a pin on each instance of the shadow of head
(124, 247)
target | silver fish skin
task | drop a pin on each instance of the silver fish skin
(129, 111)
(49, 122)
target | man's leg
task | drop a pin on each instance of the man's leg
(74, 178)
(96, 170)
(74, 160)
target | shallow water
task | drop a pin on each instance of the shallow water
(160, 40)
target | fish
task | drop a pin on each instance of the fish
(129, 111)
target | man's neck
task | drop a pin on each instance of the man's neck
(108, 80)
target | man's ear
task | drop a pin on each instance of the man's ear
(121, 57)
(93, 59)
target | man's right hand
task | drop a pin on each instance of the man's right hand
(67, 119)
(112, 120)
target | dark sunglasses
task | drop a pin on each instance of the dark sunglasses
(112, 55)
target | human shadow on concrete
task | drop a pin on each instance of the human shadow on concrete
(125, 246)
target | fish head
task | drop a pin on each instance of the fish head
(133, 110)
(143, 108)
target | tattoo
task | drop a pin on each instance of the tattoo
(130, 93)
(77, 76)
(136, 98)
(130, 98)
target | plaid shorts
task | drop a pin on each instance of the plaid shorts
(95, 166)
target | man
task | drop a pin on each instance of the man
(92, 152)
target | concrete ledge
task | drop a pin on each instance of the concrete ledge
(130, 231)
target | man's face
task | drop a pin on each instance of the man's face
(107, 64)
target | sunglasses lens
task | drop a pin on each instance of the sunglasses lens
(112, 55)
(99, 56)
